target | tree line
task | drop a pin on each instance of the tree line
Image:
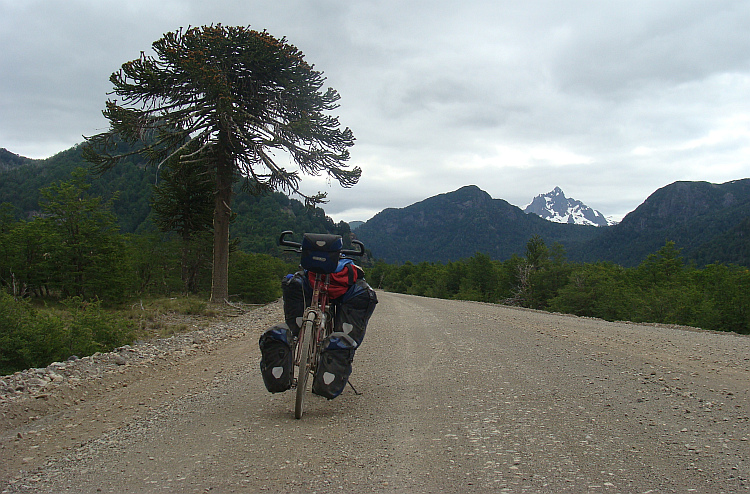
(663, 288)
(74, 248)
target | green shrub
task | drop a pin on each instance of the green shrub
(256, 278)
(92, 329)
(36, 338)
(28, 338)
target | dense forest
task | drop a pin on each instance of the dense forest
(129, 186)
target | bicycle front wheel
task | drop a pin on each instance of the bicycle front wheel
(306, 343)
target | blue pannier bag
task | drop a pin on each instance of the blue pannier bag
(321, 252)
(334, 366)
(276, 358)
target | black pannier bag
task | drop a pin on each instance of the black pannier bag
(276, 358)
(295, 300)
(354, 310)
(334, 366)
(321, 252)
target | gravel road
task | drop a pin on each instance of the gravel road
(456, 397)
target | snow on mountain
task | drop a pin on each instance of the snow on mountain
(554, 206)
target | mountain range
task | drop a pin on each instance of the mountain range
(708, 222)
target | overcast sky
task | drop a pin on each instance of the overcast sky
(609, 100)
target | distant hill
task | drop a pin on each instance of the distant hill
(456, 225)
(19, 185)
(554, 206)
(709, 222)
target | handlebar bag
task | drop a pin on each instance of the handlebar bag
(321, 252)
(334, 366)
(276, 358)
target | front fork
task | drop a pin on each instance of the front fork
(321, 323)
(318, 314)
(309, 318)
(309, 314)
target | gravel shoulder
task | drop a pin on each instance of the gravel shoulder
(50, 412)
(454, 397)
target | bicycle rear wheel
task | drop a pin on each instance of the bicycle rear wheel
(306, 343)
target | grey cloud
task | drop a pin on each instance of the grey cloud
(630, 50)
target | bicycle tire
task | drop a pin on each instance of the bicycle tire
(306, 348)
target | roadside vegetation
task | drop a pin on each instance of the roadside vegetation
(662, 289)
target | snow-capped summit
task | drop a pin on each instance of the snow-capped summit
(554, 206)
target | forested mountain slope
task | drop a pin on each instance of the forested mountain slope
(256, 226)
(20, 184)
(709, 222)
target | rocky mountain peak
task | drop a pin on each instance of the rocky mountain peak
(554, 206)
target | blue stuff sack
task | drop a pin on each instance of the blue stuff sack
(334, 366)
(321, 252)
(276, 358)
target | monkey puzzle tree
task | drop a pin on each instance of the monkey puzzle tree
(234, 97)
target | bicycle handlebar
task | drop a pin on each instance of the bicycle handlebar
(288, 243)
(298, 246)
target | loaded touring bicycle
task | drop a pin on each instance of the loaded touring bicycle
(327, 307)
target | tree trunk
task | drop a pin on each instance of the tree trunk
(222, 215)
(185, 265)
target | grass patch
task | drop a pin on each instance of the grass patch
(167, 316)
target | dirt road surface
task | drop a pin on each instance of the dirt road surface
(456, 397)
